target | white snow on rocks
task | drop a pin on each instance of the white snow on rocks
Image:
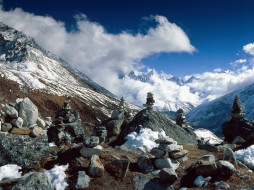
(10, 171)
(208, 136)
(145, 140)
(246, 156)
(57, 176)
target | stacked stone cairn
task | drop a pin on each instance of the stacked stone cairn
(149, 101)
(111, 128)
(168, 156)
(238, 126)
(66, 127)
(180, 119)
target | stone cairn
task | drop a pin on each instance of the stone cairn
(149, 101)
(66, 127)
(238, 126)
(22, 117)
(168, 156)
(111, 128)
(237, 109)
(180, 119)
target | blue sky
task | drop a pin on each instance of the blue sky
(218, 29)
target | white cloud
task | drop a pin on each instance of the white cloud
(249, 48)
(241, 61)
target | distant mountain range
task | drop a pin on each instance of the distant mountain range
(212, 115)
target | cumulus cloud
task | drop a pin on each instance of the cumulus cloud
(249, 48)
(102, 55)
(238, 62)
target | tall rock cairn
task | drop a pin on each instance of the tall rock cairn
(149, 101)
(180, 119)
(237, 109)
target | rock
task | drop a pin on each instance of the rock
(119, 168)
(96, 168)
(0, 126)
(178, 155)
(238, 140)
(158, 153)
(201, 181)
(20, 131)
(168, 174)
(145, 164)
(37, 180)
(166, 163)
(171, 147)
(18, 122)
(10, 111)
(101, 132)
(37, 131)
(180, 119)
(148, 118)
(114, 127)
(208, 157)
(83, 180)
(19, 100)
(28, 112)
(229, 156)
(143, 182)
(184, 159)
(225, 168)
(48, 121)
(131, 149)
(208, 147)
(94, 141)
(166, 140)
(88, 152)
(206, 168)
(221, 185)
(41, 123)
(23, 150)
(6, 127)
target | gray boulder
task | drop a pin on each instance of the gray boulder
(41, 123)
(18, 122)
(88, 151)
(208, 157)
(221, 185)
(36, 181)
(83, 180)
(28, 112)
(11, 111)
(178, 155)
(145, 164)
(226, 168)
(37, 131)
(230, 156)
(6, 127)
(238, 140)
(166, 163)
(148, 118)
(158, 153)
(23, 150)
(169, 175)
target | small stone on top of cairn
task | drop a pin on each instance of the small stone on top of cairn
(149, 101)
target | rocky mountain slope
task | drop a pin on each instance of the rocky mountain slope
(213, 114)
(22, 60)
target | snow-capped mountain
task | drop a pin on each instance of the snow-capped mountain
(24, 61)
(212, 115)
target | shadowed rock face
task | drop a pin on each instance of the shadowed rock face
(23, 150)
(155, 121)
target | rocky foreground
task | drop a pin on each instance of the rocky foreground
(126, 151)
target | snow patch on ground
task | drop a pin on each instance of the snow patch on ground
(10, 171)
(52, 144)
(208, 135)
(145, 139)
(57, 176)
(246, 156)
